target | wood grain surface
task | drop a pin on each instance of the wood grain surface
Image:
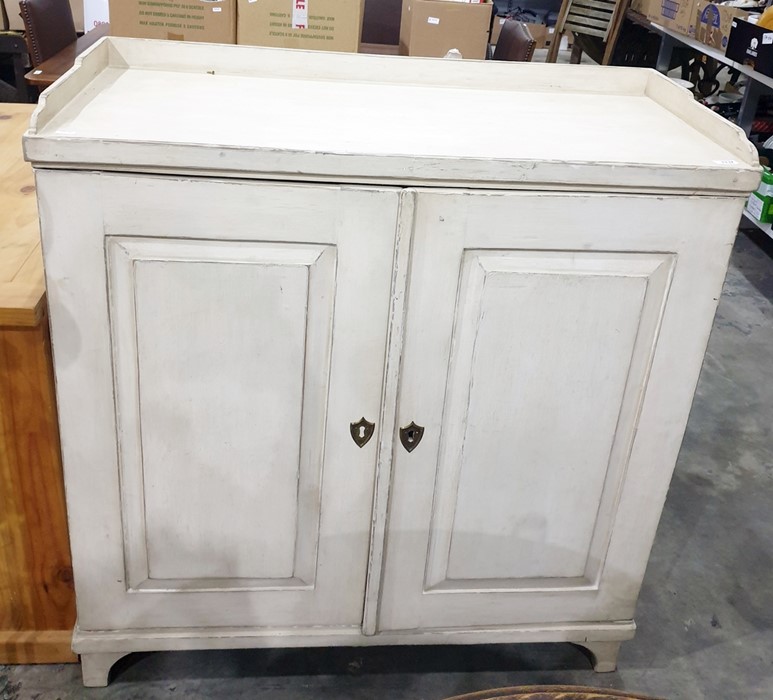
(22, 289)
(36, 647)
(36, 589)
(37, 606)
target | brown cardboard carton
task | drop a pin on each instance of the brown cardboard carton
(77, 15)
(539, 33)
(649, 8)
(678, 15)
(713, 23)
(684, 20)
(434, 27)
(213, 21)
(327, 25)
(549, 34)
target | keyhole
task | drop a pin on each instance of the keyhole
(361, 432)
(411, 436)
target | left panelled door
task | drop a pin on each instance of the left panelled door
(213, 342)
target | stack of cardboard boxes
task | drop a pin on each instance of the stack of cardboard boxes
(332, 25)
(678, 15)
(178, 20)
(429, 27)
(327, 25)
(711, 24)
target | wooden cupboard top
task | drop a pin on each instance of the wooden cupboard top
(22, 289)
(159, 106)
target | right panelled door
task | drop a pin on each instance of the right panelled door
(552, 346)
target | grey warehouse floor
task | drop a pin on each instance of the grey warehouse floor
(705, 614)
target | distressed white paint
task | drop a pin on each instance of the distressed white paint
(389, 427)
(258, 318)
(97, 662)
(215, 334)
(541, 349)
(377, 118)
(264, 517)
(551, 357)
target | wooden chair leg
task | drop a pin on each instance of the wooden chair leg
(554, 45)
(576, 55)
(608, 50)
(614, 31)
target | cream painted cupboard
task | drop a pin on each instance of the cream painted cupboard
(338, 364)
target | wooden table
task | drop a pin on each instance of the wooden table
(56, 66)
(37, 603)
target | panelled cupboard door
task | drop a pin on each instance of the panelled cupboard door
(215, 340)
(552, 345)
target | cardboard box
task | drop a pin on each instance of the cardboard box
(541, 33)
(213, 21)
(434, 27)
(751, 45)
(678, 15)
(323, 25)
(713, 23)
(16, 24)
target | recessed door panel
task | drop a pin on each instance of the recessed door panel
(223, 367)
(541, 352)
(550, 350)
(218, 338)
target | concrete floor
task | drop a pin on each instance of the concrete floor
(706, 610)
